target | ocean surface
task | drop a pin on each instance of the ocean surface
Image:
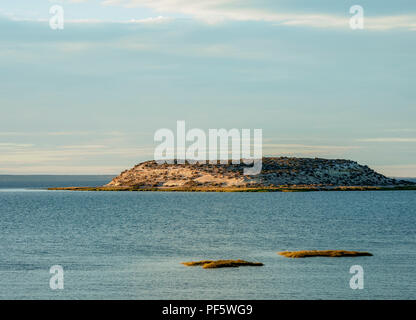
(129, 245)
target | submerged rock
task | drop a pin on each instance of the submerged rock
(210, 264)
(323, 253)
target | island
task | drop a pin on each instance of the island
(278, 174)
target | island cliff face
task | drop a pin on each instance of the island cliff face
(275, 172)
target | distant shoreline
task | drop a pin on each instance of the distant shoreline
(243, 189)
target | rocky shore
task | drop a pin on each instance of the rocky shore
(278, 174)
(275, 172)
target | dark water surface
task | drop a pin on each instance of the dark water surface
(130, 244)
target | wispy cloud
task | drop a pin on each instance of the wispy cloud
(15, 145)
(294, 149)
(70, 153)
(63, 169)
(86, 146)
(217, 11)
(387, 140)
(82, 159)
(221, 10)
(401, 170)
(60, 133)
(159, 19)
(149, 20)
(401, 130)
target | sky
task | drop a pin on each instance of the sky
(88, 99)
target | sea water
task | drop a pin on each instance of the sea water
(130, 245)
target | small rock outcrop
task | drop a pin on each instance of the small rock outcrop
(212, 264)
(323, 253)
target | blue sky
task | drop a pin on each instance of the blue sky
(88, 99)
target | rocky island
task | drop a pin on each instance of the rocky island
(278, 174)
